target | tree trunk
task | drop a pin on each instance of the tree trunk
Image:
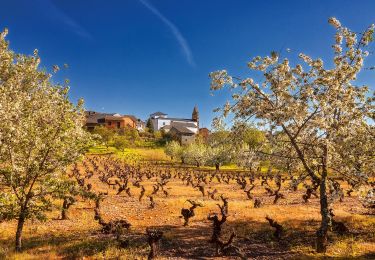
(153, 251)
(64, 209)
(63, 214)
(217, 166)
(21, 222)
(322, 233)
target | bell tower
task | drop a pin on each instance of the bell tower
(195, 115)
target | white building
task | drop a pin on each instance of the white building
(183, 129)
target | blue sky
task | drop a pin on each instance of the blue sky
(141, 56)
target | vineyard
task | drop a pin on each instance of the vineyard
(152, 210)
(278, 164)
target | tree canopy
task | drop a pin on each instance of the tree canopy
(41, 133)
(312, 114)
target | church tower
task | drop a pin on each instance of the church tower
(195, 115)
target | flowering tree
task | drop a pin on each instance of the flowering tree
(40, 135)
(173, 149)
(246, 157)
(120, 143)
(247, 142)
(195, 153)
(312, 113)
(105, 133)
(219, 148)
(218, 155)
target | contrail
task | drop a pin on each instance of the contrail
(56, 13)
(176, 32)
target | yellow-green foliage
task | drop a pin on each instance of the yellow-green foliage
(101, 149)
(156, 154)
(131, 155)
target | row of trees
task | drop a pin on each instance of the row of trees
(119, 138)
(129, 137)
(222, 147)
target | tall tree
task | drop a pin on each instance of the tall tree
(149, 125)
(41, 133)
(311, 111)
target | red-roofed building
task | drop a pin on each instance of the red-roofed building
(113, 121)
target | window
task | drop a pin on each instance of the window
(118, 124)
(109, 123)
(163, 123)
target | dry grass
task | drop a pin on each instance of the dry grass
(80, 237)
(156, 154)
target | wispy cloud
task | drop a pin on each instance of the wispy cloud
(56, 13)
(176, 32)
